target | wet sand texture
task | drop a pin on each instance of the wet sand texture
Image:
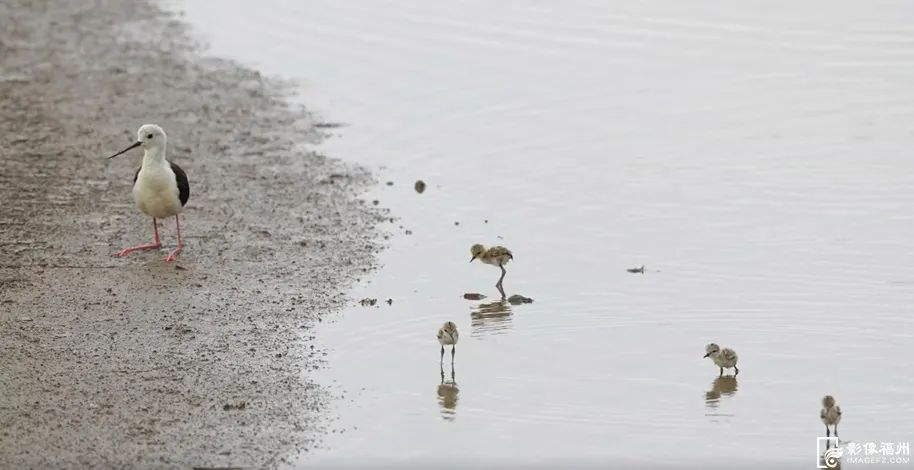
(109, 362)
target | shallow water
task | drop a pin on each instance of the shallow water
(756, 157)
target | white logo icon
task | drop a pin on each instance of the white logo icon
(831, 458)
(829, 454)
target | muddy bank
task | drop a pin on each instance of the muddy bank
(131, 362)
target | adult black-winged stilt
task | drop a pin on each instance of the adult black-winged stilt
(160, 187)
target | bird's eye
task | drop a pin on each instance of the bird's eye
(148, 136)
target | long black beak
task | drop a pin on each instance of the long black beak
(706, 355)
(132, 146)
(471, 259)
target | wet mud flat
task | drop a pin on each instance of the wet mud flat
(108, 362)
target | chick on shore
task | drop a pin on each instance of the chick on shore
(724, 358)
(447, 335)
(830, 414)
(496, 256)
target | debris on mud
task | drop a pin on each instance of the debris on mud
(638, 270)
(420, 186)
(473, 296)
(368, 302)
(328, 125)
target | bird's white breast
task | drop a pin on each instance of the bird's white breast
(156, 191)
(724, 360)
(831, 415)
(447, 337)
(495, 261)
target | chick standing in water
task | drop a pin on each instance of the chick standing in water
(830, 414)
(496, 256)
(447, 334)
(724, 358)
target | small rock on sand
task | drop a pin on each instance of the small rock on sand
(420, 186)
(473, 296)
(235, 406)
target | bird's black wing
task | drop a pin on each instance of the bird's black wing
(183, 184)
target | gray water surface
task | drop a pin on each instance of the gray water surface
(759, 155)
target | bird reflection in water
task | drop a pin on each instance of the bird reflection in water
(722, 386)
(491, 317)
(447, 395)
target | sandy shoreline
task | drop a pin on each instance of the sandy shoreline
(130, 362)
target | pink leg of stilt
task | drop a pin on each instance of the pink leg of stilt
(174, 254)
(151, 246)
(155, 230)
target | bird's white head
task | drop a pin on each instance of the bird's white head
(149, 136)
(477, 250)
(712, 349)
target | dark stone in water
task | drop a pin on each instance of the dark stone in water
(518, 299)
(473, 296)
(420, 186)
